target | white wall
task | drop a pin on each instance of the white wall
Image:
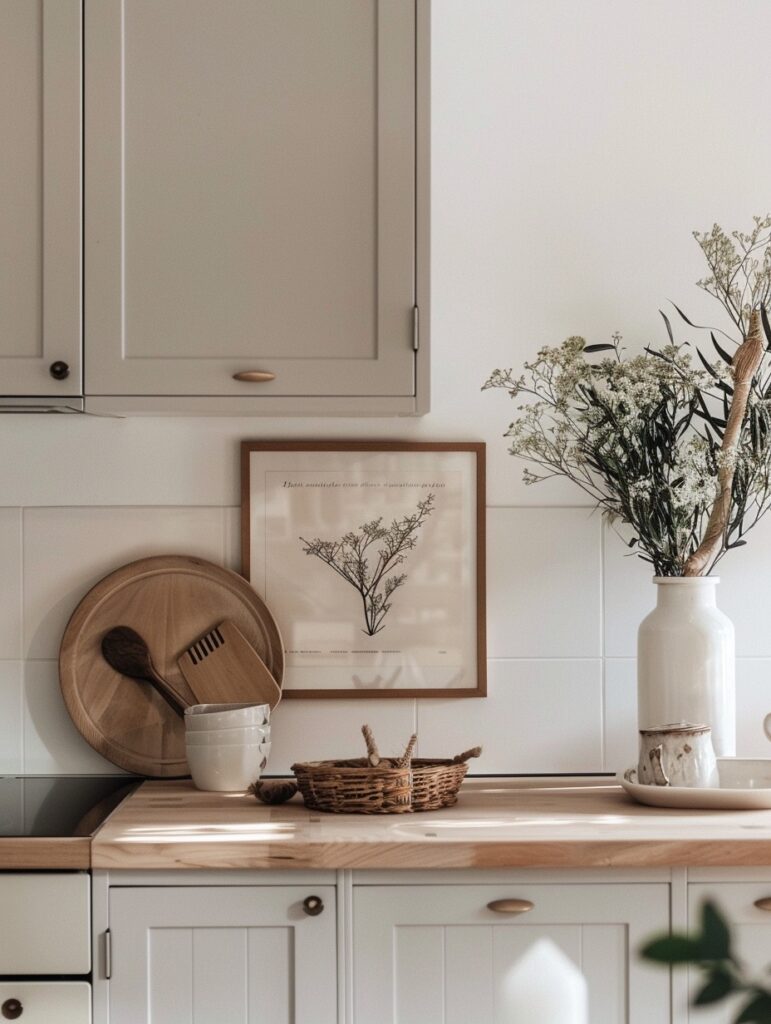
(575, 147)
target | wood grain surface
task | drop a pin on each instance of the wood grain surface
(170, 601)
(224, 667)
(495, 824)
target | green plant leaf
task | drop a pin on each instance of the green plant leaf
(673, 949)
(721, 351)
(668, 325)
(599, 348)
(766, 326)
(715, 940)
(719, 985)
(757, 1010)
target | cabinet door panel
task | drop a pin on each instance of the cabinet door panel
(245, 955)
(251, 201)
(751, 930)
(437, 955)
(40, 101)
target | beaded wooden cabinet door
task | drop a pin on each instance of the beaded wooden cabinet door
(747, 908)
(435, 954)
(227, 954)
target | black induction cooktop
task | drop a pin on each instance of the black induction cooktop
(60, 805)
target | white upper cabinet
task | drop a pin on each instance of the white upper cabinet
(40, 197)
(251, 204)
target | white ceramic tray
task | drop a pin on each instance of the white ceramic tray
(745, 785)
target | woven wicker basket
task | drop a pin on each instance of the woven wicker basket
(377, 785)
(436, 783)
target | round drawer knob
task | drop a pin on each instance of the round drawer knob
(11, 1009)
(59, 370)
(313, 905)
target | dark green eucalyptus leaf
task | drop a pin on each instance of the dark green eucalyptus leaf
(757, 1010)
(673, 949)
(715, 936)
(668, 326)
(718, 986)
(721, 351)
(766, 326)
(706, 364)
(689, 322)
(599, 348)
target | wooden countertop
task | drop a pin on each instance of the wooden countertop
(495, 824)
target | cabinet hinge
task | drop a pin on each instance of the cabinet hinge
(415, 328)
(108, 954)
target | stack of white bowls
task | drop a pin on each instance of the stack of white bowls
(227, 744)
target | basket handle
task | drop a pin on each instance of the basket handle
(467, 755)
(406, 758)
(373, 754)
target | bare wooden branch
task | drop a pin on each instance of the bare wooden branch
(744, 367)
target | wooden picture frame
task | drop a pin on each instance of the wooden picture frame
(325, 525)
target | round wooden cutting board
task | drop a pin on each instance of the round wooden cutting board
(170, 601)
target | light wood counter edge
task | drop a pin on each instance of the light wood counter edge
(165, 825)
(45, 853)
(434, 855)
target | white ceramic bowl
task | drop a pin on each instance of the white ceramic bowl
(227, 769)
(217, 737)
(226, 716)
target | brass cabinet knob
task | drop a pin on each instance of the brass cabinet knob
(254, 376)
(511, 906)
(764, 904)
(11, 1009)
(313, 905)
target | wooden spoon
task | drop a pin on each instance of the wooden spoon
(126, 651)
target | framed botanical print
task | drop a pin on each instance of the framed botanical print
(371, 556)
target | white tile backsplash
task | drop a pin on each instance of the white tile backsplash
(11, 750)
(544, 583)
(314, 730)
(620, 721)
(560, 591)
(11, 589)
(538, 716)
(52, 744)
(67, 550)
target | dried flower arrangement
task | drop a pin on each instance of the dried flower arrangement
(679, 452)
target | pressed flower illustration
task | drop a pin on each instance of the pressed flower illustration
(368, 559)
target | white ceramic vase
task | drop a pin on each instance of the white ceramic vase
(685, 661)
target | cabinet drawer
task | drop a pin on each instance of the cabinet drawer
(437, 954)
(750, 928)
(46, 924)
(48, 1002)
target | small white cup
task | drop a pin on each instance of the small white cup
(229, 768)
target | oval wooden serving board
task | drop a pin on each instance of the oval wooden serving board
(170, 600)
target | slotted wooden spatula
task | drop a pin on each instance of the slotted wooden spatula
(223, 668)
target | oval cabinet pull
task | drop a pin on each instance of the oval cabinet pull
(254, 376)
(764, 904)
(511, 906)
(11, 1009)
(313, 905)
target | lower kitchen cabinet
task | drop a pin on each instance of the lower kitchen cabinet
(751, 931)
(222, 955)
(436, 954)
